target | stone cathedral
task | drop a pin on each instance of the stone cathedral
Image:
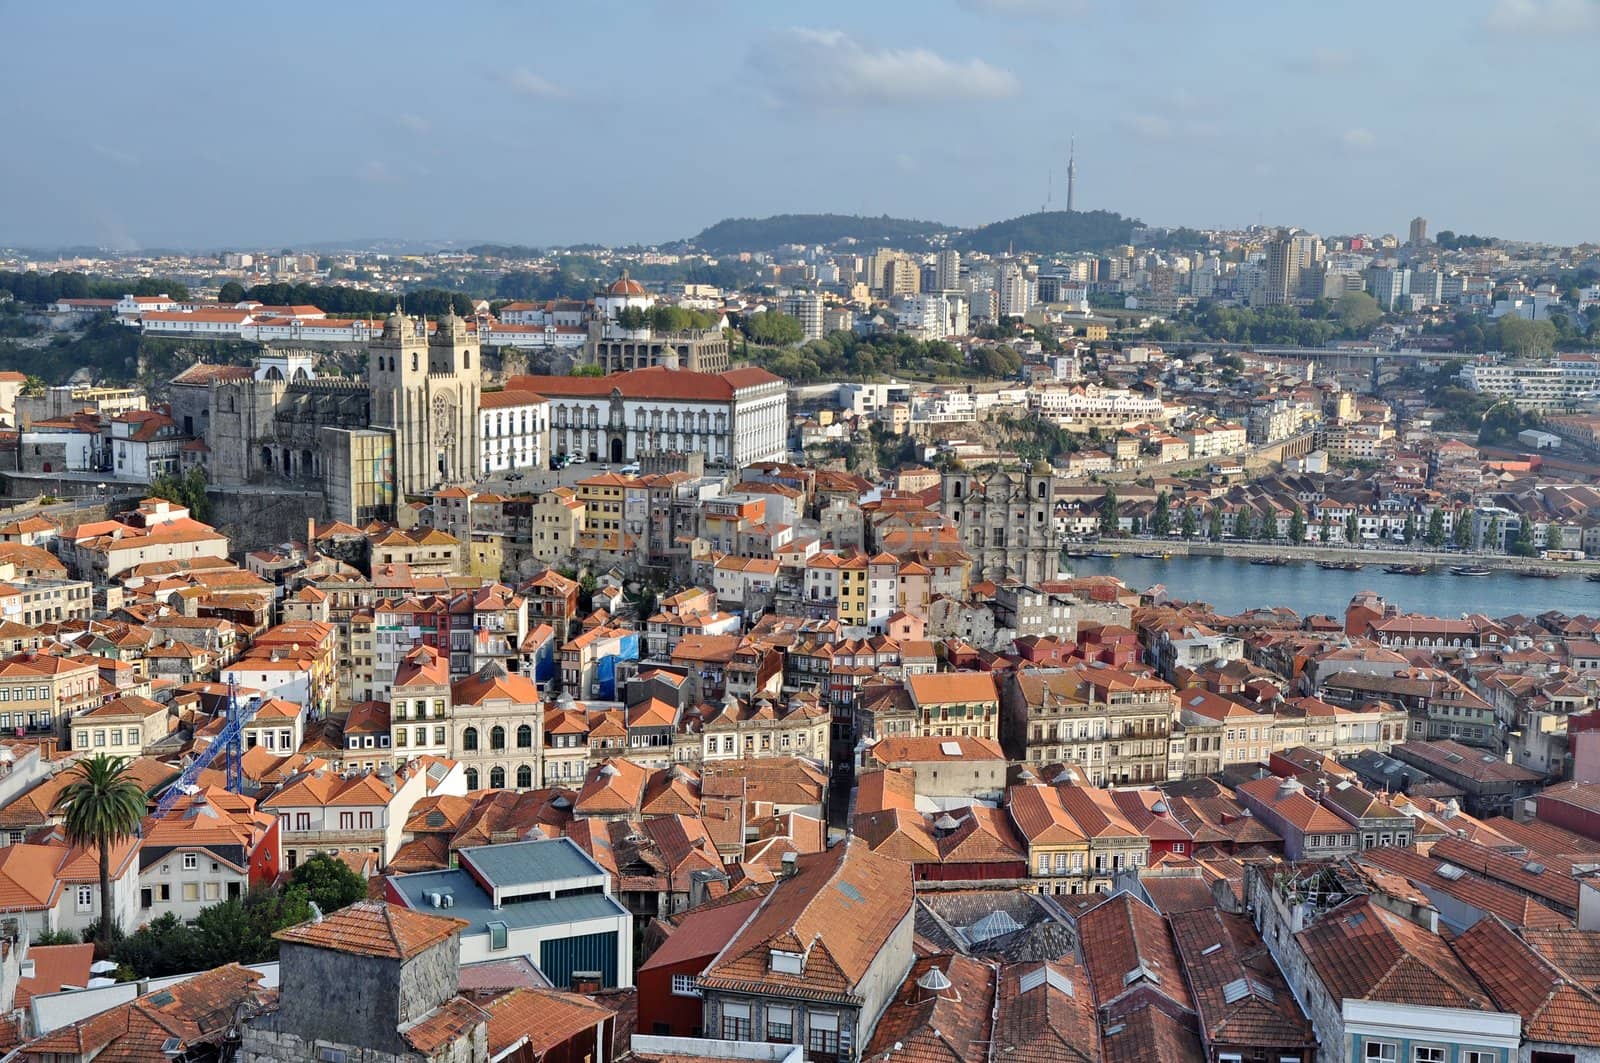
(425, 390)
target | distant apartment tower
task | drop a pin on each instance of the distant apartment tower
(1389, 285)
(806, 308)
(1419, 231)
(1016, 290)
(1283, 270)
(947, 270)
(932, 315)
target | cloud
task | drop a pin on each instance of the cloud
(414, 122)
(1358, 139)
(1543, 16)
(1172, 125)
(116, 155)
(528, 83)
(374, 172)
(829, 68)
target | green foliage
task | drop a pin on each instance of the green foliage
(54, 937)
(1410, 532)
(1522, 542)
(40, 289)
(1161, 517)
(101, 807)
(586, 370)
(666, 318)
(1244, 523)
(847, 356)
(1450, 241)
(360, 301)
(1434, 536)
(773, 329)
(1352, 528)
(1214, 525)
(1524, 337)
(1188, 528)
(1109, 525)
(1499, 427)
(230, 293)
(1297, 525)
(1461, 533)
(1358, 311)
(757, 234)
(1048, 232)
(188, 490)
(1552, 537)
(232, 931)
(328, 883)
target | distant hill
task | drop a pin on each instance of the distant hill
(1051, 231)
(756, 234)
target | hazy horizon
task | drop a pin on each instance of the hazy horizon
(618, 124)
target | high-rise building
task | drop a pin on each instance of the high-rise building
(947, 270)
(1016, 290)
(1283, 270)
(806, 308)
(1419, 231)
(901, 276)
(1388, 285)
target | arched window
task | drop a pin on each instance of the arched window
(469, 739)
(497, 737)
(472, 778)
(524, 778)
(466, 358)
(524, 737)
(497, 778)
(414, 363)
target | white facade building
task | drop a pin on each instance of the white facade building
(513, 430)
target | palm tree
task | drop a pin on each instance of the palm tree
(102, 807)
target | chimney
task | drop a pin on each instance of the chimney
(311, 539)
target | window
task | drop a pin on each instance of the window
(347, 821)
(85, 898)
(524, 737)
(780, 1025)
(685, 985)
(190, 861)
(1428, 1054)
(302, 821)
(469, 739)
(524, 778)
(497, 737)
(822, 1033)
(497, 778)
(497, 935)
(736, 1022)
(1381, 1052)
(787, 962)
(365, 820)
(333, 1055)
(191, 891)
(1474, 1055)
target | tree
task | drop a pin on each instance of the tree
(1552, 537)
(1358, 311)
(1524, 337)
(102, 807)
(1327, 529)
(773, 329)
(1410, 532)
(188, 490)
(1522, 542)
(1161, 519)
(1214, 530)
(1495, 540)
(1297, 525)
(330, 884)
(1461, 533)
(32, 385)
(230, 293)
(1434, 536)
(1244, 525)
(1188, 528)
(1109, 525)
(1352, 528)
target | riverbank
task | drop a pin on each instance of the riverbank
(1378, 556)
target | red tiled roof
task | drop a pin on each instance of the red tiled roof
(373, 928)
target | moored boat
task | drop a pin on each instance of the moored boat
(1469, 570)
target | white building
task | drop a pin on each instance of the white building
(806, 308)
(513, 430)
(932, 315)
(733, 418)
(1095, 405)
(1566, 380)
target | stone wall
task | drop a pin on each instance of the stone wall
(253, 518)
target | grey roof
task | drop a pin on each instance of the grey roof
(531, 862)
(473, 904)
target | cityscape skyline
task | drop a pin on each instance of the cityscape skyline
(841, 110)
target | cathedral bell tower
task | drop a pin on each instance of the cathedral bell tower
(424, 389)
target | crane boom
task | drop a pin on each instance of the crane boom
(229, 741)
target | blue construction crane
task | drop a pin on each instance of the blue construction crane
(229, 741)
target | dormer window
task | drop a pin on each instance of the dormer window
(787, 962)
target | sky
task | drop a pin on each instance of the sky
(247, 125)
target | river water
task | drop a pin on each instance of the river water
(1232, 585)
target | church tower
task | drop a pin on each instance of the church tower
(425, 391)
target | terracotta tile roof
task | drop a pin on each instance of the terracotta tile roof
(546, 1017)
(55, 966)
(1239, 993)
(654, 383)
(1152, 1034)
(1046, 1013)
(701, 932)
(839, 908)
(947, 1026)
(1548, 878)
(444, 1025)
(1522, 981)
(949, 687)
(1041, 818)
(905, 749)
(1576, 952)
(1468, 889)
(886, 788)
(374, 928)
(1362, 951)
(1128, 949)
(1289, 800)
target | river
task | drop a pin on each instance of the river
(1233, 585)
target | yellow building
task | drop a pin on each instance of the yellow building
(853, 600)
(558, 517)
